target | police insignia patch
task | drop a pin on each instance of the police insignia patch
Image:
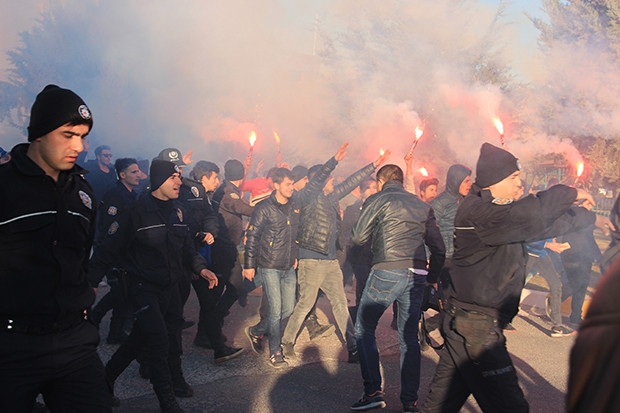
(234, 196)
(180, 214)
(86, 200)
(112, 210)
(84, 112)
(113, 228)
(195, 191)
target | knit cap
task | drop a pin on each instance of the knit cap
(494, 165)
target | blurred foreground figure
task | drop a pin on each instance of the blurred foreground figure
(595, 360)
(47, 225)
(487, 275)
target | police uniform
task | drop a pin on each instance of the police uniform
(114, 202)
(46, 345)
(156, 246)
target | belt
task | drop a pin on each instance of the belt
(10, 324)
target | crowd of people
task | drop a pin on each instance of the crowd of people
(155, 230)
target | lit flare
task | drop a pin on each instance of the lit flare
(423, 171)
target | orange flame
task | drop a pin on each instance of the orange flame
(252, 138)
(580, 168)
(423, 171)
(277, 137)
(498, 125)
(381, 152)
(418, 132)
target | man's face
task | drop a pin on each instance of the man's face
(429, 194)
(465, 186)
(211, 183)
(371, 190)
(58, 150)
(170, 188)
(105, 157)
(508, 188)
(301, 184)
(132, 175)
(285, 188)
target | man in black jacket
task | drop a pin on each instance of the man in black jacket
(318, 265)
(271, 251)
(47, 225)
(400, 226)
(155, 245)
(486, 279)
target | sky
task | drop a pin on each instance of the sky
(203, 75)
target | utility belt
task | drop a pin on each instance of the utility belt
(67, 322)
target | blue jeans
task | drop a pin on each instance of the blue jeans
(279, 289)
(382, 289)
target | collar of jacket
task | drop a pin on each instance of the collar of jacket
(27, 166)
(393, 184)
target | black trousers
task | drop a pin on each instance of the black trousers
(64, 367)
(474, 361)
(156, 335)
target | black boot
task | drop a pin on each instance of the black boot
(167, 400)
(179, 385)
(316, 330)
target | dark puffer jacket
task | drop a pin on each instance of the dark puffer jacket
(321, 213)
(446, 204)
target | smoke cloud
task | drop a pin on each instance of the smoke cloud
(203, 75)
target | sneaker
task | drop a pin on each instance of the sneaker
(226, 353)
(321, 331)
(277, 360)
(562, 331)
(288, 351)
(354, 356)
(410, 408)
(367, 402)
(255, 341)
(510, 328)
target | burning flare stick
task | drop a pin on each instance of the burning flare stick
(423, 171)
(418, 134)
(580, 167)
(252, 142)
(500, 128)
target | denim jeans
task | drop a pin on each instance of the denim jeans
(382, 289)
(279, 290)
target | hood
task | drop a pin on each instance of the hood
(456, 174)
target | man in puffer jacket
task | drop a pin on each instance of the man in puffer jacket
(318, 265)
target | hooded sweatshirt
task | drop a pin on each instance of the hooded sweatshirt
(446, 204)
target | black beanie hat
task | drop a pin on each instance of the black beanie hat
(233, 170)
(55, 107)
(494, 165)
(160, 172)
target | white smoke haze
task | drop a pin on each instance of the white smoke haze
(203, 75)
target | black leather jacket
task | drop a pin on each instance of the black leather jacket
(321, 213)
(272, 233)
(400, 224)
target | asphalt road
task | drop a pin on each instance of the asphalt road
(321, 380)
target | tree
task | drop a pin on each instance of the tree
(580, 43)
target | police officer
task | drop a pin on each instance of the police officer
(47, 225)
(114, 202)
(156, 246)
